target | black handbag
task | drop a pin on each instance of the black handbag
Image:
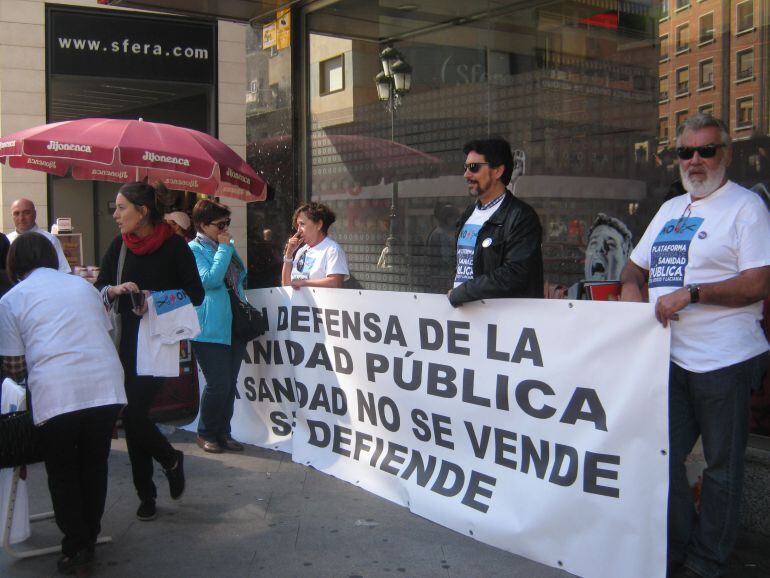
(19, 440)
(248, 323)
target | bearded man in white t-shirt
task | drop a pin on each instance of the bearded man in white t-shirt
(706, 258)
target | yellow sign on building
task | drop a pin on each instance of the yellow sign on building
(283, 28)
(268, 35)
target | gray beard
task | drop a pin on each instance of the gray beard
(704, 188)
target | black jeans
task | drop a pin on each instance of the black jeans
(76, 446)
(220, 365)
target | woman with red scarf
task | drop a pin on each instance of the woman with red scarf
(155, 259)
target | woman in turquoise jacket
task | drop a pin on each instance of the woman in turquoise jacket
(218, 351)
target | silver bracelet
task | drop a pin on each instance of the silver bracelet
(288, 260)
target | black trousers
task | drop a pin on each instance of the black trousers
(143, 439)
(76, 446)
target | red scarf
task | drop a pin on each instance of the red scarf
(150, 243)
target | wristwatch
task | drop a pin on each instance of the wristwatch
(694, 290)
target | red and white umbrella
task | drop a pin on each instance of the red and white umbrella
(117, 150)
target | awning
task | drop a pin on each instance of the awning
(238, 10)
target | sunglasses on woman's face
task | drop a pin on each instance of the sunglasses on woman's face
(222, 225)
(704, 152)
(473, 167)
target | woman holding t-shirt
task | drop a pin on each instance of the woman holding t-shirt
(146, 256)
(311, 258)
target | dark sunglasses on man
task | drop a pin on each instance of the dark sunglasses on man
(222, 225)
(704, 152)
(473, 167)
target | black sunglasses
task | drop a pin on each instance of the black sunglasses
(705, 152)
(473, 167)
(222, 225)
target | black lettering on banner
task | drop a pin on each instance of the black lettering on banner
(393, 455)
(343, 362)
(469, 395)
(375, 363)
(398, 373)
(300, 318)
(530, 455)
(281, 423)
(454, 335)
(248, 385)
(442, 433)
(595, 413)
(295, 352)
(527, 347)
(332, 322)
(374, 333)
(432, 335)
(523, 391)
(421, 430)
(502, 448)
(341, 436)
(592, 472)
(386, 410)
(317, 319)
(319, 356)
(283, 319)
(441, 375)
(475, 489)
(417, 464)
(564, 455)
(478, 445)
(320, 434)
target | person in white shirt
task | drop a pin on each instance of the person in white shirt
(55, 332)
(311, 258)
(24, 217)
(706, 258)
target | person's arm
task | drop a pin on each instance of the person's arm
(632, 279)
(747, 287)
(334, 281)
(521, 260)
(212, 273)
(187, 272)
(288, 258)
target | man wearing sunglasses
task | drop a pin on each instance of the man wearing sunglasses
(498, 236)
(706, 258)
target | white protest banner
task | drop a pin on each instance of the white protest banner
(537, 426)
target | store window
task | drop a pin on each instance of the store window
(682, 81)
(332, 74)
(680, 117)
(663, 129)
(744, 16)
(706, 73)
(590, 104)
(744, 112)
(682, 38)
(745, 65)
(706, 28)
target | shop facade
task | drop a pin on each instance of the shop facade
(77, 59)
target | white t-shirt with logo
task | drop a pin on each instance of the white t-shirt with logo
(466, 242)
(58, 322)
(318, 262)
(705, 241)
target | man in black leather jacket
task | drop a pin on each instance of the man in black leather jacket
(498, 236)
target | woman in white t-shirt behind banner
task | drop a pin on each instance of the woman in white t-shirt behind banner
(55, 332)
(311, 258)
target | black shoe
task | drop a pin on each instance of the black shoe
(147, 511)
(175, 477)
(230, 445)
(75, 563)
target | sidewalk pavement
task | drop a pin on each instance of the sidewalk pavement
(259, 514)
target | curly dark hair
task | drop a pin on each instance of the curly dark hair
(316, 212)
(496, 151)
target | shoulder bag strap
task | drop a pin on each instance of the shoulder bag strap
(121, 262)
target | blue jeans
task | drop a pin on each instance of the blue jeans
(220, 365)
(714, 405)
